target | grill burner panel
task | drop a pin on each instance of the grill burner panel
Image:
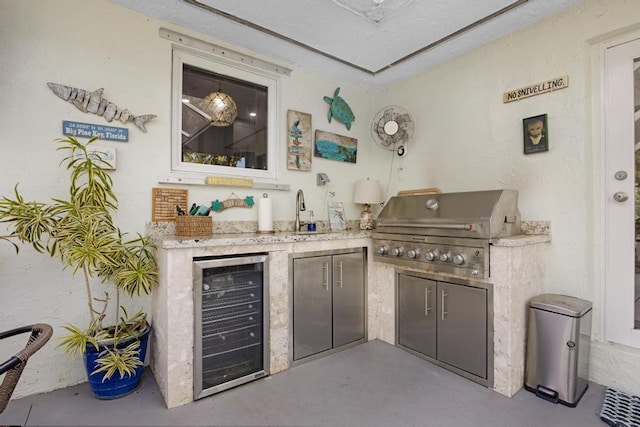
(464, 257)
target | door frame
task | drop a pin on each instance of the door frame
(614, 321)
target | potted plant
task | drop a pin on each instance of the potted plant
(80, 232)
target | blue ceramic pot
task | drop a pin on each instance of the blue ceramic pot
(115, 386)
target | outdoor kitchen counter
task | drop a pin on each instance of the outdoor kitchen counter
(172, 305)
(247, 239)
(517, 273)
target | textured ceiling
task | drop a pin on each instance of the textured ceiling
(369, 43)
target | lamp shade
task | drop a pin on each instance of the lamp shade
(367, 191)
(221, 108)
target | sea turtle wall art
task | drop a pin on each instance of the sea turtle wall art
(339, 109)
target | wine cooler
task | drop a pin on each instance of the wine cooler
(231, 345)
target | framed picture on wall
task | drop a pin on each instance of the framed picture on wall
(329, 145)
(536, 134)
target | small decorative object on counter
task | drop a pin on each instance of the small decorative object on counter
(339, 109)
(311, 226)
(337, 219)
(200, 210)
(190, 225)
(366, 193)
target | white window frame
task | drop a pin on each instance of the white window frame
(237, 71)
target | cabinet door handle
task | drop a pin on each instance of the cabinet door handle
(444, 313)
(340, 269)
(325, 275)
(427, 309)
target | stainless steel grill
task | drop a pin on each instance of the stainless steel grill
(447, 233)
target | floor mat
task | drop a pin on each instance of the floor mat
(620, 409)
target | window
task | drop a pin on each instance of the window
(224, 118)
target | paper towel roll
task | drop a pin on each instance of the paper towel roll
(265, 214)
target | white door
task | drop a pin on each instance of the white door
(622, 86)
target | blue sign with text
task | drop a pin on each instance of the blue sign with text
(89, 130)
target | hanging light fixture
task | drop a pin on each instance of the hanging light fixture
(221, 107)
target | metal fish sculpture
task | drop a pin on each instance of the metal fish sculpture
(93, 102)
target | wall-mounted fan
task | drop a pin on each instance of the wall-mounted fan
(392, 129)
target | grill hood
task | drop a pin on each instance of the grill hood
(473, 214)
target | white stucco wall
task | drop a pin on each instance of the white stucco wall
(467, 139)
(90, 44)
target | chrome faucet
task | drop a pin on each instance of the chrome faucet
(299, 207)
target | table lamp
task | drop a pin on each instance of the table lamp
(367, 192)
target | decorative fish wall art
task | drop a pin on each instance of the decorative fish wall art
(93, 102)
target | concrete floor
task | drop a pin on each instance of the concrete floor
(373, 384)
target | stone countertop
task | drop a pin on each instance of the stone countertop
(521, 240)
(236, 239)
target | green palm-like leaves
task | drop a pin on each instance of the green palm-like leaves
(80, 231)
(121, 360)
(32, 222)
(76, 341)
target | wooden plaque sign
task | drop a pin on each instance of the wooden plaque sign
(165, 201)
(536, 89)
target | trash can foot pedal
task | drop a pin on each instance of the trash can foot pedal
(547, 394)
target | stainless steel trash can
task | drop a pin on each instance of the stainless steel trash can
(558, 341)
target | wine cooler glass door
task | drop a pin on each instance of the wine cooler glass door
(231, 339)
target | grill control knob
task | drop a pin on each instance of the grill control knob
(397, 251)
(445, 257)
(458, 259)
(431, 256)
(382, 250)
(413, 253)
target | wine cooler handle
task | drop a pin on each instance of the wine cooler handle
(427, 309)
(444, 312)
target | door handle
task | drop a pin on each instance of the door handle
(325, 275)
(340, 275)
(427, 309)
(621, 196)
(444, 312)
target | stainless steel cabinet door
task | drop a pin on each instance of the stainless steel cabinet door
(311, 306)
(348, 298)
(417, 314)
(462, 327)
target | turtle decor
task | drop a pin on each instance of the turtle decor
(339, 109)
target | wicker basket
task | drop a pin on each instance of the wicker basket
(189, 225)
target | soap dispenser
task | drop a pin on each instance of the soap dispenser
(311, 226)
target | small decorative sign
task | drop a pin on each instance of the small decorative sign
(299, 141)
(89, 130)
(536, 89)
(106, 155)
(230, 182)
(232, 202)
